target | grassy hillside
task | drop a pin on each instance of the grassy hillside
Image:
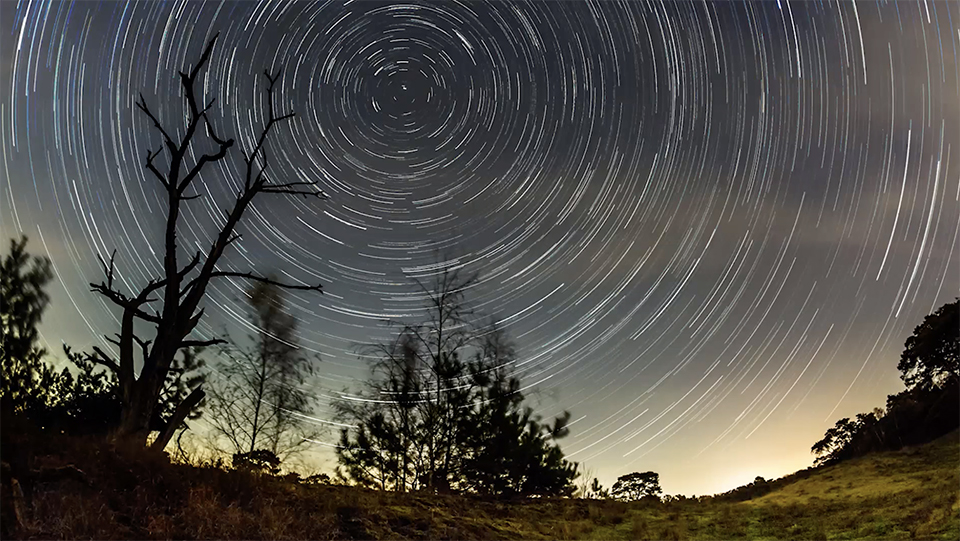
(908, 494)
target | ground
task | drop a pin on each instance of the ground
(914, 493)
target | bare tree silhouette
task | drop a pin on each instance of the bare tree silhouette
(181, 288)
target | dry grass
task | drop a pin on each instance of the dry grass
(129, 495)
(126, 495)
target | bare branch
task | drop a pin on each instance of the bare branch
(204, 56)
(202, 343)
(273, 78)
(187, 80)
(190, 266)
(125, 302)
(206, 158)
(102, 358)
(104, 289)
(192, 322)
(142, 105)
(291, 188)
(211, 133)
(144, 345)
(318, 194)
(108, 271)
(265, 280)
(179, 415)
(196, 116)
(291, 184)
(251, 158)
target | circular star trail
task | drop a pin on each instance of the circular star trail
(709, 226)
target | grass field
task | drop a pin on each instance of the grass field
(907, 494)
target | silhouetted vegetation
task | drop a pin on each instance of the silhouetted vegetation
(171, 304)
(759, 487)
(637, 486)
(60, 480)
(84, 401)
(83, 489)
(257, 402)
(926, 410)
(931, 356)
(443, 410)
(26, 379)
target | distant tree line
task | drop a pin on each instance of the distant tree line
(756, 489)
(924, 411)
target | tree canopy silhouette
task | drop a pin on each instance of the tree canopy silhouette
(635, 486)
(925, 410)
(176, 296)
(931, 356)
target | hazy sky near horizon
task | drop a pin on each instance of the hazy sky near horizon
(709, 227)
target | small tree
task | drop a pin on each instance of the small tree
(387, 450)
(931, 356)
(597, 491)
(498, 422)
(412, 420)
(429, 419)
(511, 451)
(635, 486)
(541, 469)
(257, 403)
(583, 484)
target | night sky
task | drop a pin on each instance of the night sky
(709, 227)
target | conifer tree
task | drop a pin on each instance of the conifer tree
(428, 419)
(25, 380)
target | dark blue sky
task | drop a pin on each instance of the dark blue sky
(710, 227)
